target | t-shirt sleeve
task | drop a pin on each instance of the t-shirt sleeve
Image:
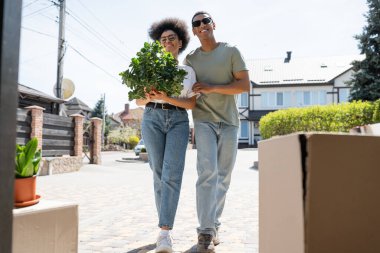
(238, 62)
(186, 61)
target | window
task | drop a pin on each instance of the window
(287, 99)
(243, 130)
(305, 98)
(299, 98)
(280, 99)
(275, 99)
(322, 97)
(243, 100)
(344, 95)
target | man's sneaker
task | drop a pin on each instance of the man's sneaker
(205, 243)
(216, 240)
(164, 243)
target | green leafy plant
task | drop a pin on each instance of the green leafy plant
(27, 159)
(376, 114)
(153, 69)
(143, 150)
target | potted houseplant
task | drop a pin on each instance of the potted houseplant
(27, 164)
(153, 69)
(143, 155)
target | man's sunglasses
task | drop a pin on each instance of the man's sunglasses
(205, 21)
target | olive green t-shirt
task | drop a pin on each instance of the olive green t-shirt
(216, 68)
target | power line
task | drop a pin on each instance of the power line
(38, 57)
(29, 4)
(50, 18)
(35, 31)
(106, 42)
(37, 11)
(100, 22)
(93, 63)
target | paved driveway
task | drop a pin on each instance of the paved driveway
(117, 211)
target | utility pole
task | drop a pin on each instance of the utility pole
(61, 50)
(104, 118)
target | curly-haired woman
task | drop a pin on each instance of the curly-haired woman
(165, 129)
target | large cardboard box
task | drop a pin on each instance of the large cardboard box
(319, 193)
(47, 227)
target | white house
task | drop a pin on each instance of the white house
(285, 83)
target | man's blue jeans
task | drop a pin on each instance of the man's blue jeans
(216, 154)
(166, 135)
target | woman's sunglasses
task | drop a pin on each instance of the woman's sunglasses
(205, 21)
(171, 37)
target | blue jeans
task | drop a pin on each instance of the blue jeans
(216, 154)
(166, 135)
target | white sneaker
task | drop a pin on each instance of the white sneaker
(164, 243)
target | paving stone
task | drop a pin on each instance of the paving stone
(117, 212)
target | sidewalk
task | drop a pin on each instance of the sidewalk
(117, 212)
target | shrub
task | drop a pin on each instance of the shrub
(143, 150)
(376, 114)
(328, 118)
(133, 140)
(121, 135)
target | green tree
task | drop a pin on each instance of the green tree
(100, 110)
(366, 80)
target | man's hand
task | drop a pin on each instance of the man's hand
(202, 88)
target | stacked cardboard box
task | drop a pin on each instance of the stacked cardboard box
(319, 193)
(47, 227)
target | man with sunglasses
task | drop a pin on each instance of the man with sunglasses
(222, 74)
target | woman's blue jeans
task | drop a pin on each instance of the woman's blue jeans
(216, 154)
(166, 135)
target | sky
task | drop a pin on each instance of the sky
(103, 35)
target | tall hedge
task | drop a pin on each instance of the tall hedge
(327, 118)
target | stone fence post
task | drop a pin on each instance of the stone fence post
(96, 124)
(37, 123)
(78, 129)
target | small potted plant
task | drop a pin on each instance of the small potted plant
(153, 69)
(27, 164)
(143, 155)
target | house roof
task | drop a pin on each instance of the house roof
(257, 114)
(75, 104)
(299, 70)
(133, 114)
(28, 91)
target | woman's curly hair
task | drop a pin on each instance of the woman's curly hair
(176, 25)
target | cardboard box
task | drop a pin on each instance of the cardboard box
(47, 227)
(319, 193)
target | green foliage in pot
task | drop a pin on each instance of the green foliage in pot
(153, 69)
(27, 159)
(143, 150)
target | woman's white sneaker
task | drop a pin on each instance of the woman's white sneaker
(164, 243)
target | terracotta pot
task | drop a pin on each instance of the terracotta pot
(143, 156)
(24, 189)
